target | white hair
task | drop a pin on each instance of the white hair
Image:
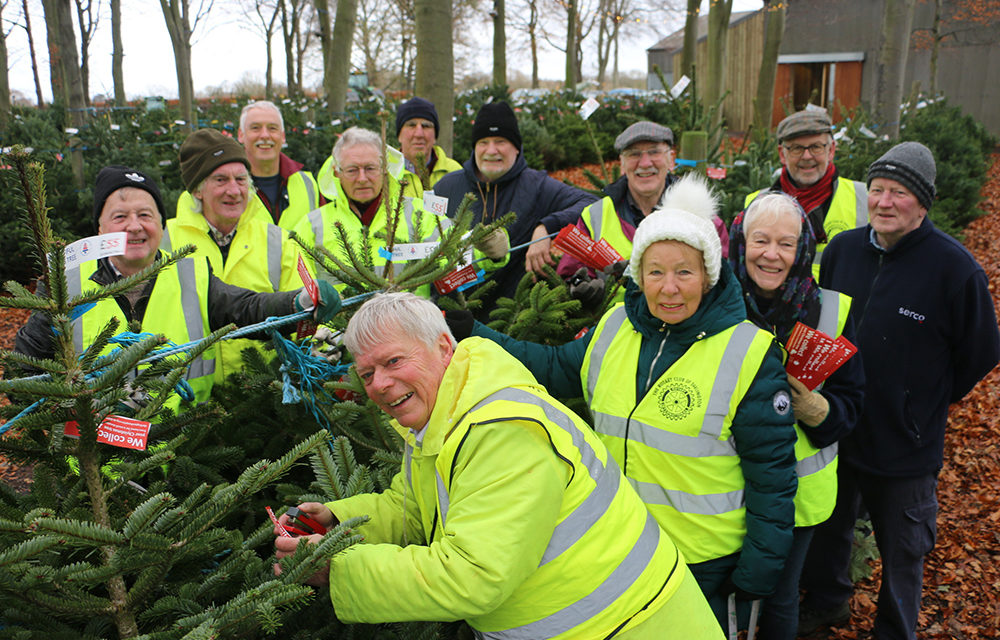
(353, 137)
(261, 104)
(388, 316)
(768, 207)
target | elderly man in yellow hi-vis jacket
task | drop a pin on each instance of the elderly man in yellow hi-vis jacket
(508, 511)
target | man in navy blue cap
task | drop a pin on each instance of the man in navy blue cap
(417, 129)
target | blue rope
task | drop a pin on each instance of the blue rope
(311, 373)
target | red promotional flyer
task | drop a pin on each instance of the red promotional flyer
(813, 356)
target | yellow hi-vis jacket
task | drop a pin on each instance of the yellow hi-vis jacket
(261, 258)
(681, 457)
(848, 210)
(177, 308)
(817, 468)
(511, 515)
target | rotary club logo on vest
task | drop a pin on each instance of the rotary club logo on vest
(677, 397)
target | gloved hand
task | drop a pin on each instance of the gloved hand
(495, 245)
(810, 407)
(730, 587)
(616, 269)
(326, 308)
(460, 321)
(588, 290)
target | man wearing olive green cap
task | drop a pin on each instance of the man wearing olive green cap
(219, 215)
(806, 148)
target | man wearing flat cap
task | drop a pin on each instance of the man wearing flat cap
(417, 129)
(220, 215)
(184, 301)
(499, 178)
(806, 148)
(927, 336)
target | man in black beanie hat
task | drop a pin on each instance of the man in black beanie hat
(928, 334)
(497, 174)
(417, 129)
(184, 301)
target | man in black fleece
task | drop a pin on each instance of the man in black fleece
(928, 333)
(499, 177)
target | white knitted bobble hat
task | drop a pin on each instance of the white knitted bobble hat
(684, 214)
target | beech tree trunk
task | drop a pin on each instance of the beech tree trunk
(67, 89)
(117, 53)
(176, 13)
(570, 44)
(890, 67)
(436, 62)
(763, 102)
(690, 39)
(499, 43)
(718, 38)
(4, 79)
(338, 57)
(31, 51)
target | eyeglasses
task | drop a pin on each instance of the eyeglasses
(796, 150)
(654, 154)
(354, 171)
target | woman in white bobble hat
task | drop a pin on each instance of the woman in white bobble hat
(691, 399)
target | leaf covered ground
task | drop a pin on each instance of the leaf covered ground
(962, 575)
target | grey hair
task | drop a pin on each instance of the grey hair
(353, 137)
(196, 205)
(262, 104)
(387, 316)
(772, 204)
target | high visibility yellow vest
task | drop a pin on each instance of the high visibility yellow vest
(303, 197)
(604, 539)
(177, 308)
(602, 221)
(817, 468)
(675, 444)
(848, 210)
(261, 258)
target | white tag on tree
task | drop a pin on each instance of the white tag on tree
(409, 251)
(680, 86)
(94, 247)
(589, 107)
(438, 205)
(396, 162)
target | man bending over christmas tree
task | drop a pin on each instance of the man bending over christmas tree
(508, 511)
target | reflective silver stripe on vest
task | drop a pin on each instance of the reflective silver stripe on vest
(74, 287)
(709, 504)
(829, 312)
(726, 379)
(860, 204)
(165, 240)
(609, 591)
(310, 191)
(817, 461)
(274, 256)
(601, 345)
(596, 212)
(660, 439)
(316, 222)
(191, 307)
(408, 216)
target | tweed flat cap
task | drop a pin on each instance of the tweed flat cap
(804, 123)
(644, 131)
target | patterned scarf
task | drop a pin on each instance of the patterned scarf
(798, 297)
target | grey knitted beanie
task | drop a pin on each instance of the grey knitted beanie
(912, 165)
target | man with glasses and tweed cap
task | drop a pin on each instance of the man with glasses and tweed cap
(806, 148)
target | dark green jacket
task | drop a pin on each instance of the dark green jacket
(764, 438)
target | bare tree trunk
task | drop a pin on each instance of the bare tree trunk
(763, 102)
(289, 26)
(177, 16)
(936, 46)
(570, 44)
(718, 38)
(325, 37)
(66, 86)
(690, 38)
(338, 63)
(533, 40)
(117, 53)
(88, 26)
(34, 60)
(499, 15)
(436, 62)
(4, 79)
(890, 67)
(603, 42)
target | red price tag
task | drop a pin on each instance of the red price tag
(118, 431)
(308, 281)
(466, 275)
(716, 173)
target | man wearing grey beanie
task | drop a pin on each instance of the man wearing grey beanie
(927, 335)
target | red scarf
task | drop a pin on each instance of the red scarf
(367, 211)
(812, 196)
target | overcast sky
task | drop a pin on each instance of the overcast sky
(225, 52)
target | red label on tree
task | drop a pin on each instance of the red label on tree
(118, 431)
(466, 275)
(716, 173)
(308, 281)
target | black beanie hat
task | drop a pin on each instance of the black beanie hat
(911, 164)
(417, 108)
(496, 119)
(114, 177)
(206, 150)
